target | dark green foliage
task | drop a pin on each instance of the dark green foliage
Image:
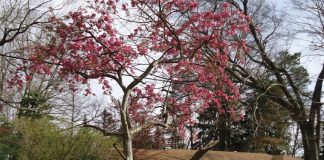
(33, 104)
(251, 134)
(269, 120)
(291, 62)
(9, 141)
(213, 125)
(265, 125)
(208, 125)
(271, 129)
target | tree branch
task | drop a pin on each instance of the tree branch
(147, 125)
(105, 133)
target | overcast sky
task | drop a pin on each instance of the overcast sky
(312, 59)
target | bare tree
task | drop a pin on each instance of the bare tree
(312, 21)
(292, 96)
(18, 24)
(21, 26)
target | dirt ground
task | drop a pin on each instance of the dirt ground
(211, 155)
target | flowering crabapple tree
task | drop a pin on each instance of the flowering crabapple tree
(153, 50)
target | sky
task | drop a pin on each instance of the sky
(311, 58)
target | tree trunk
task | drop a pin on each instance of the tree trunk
(128, 147)
(312, 127)
(295, 145)
(222, 134)
(309, 142)
(201, 152)
(191, 137)
(127, 138)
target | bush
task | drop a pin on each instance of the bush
(43, 140)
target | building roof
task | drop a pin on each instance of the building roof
(176, 154)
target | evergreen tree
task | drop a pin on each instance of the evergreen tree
(33, 104)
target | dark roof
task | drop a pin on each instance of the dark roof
(176, 154)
